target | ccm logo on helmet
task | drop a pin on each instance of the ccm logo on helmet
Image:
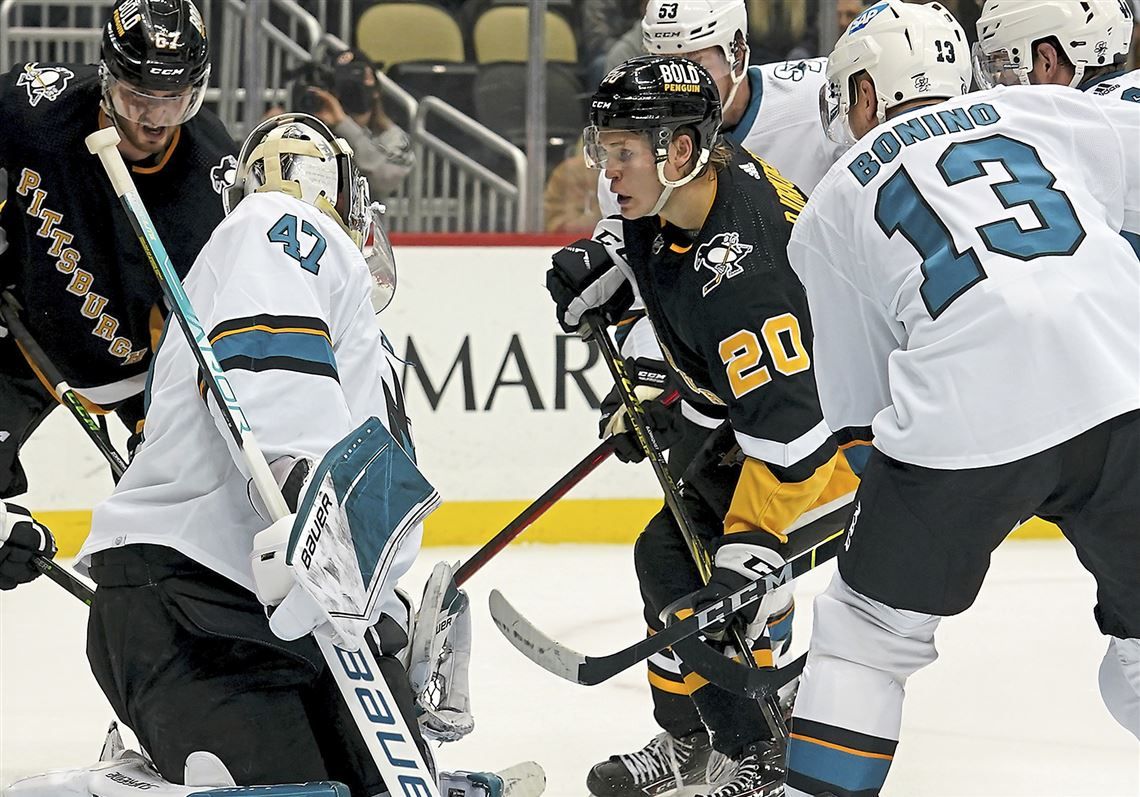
(680, 77)
(154, 70)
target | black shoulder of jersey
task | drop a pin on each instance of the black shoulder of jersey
(210, 135)
(48, 106)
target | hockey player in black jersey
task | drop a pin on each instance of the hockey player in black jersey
(85, 290)
(705, 229)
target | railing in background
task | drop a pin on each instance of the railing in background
(458, 183)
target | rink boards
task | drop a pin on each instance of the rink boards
(502, 404)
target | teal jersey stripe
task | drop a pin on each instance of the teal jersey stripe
(252, 347)
(835, 767)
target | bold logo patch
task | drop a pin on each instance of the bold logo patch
(44, 82)
(864, 19)
(795, 70)
(224, 174)
(722, 256)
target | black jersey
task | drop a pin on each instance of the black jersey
(732, 320)
(88, 292)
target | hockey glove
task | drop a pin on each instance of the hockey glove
(650, 381)
(22, 538)
(736, 564)
(583, 277)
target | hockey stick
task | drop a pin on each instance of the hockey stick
(773, 717)
(554, 657)
(357, 674)
(540, 505)
(63, 392)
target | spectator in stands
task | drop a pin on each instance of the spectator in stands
(603, 23)
(351, 107)
(809, 46)
(571, 196)
(630, 45)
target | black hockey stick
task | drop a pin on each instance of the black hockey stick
(807, 552)
(63, 392)
(540, 505)
(655, 453)
(65, 578)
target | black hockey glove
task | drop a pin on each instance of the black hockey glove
(582, 278)
(741, 558)
(651, 381)
(22, 538)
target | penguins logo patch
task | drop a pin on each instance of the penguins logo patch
(722, 256)
(224, 174)
(44, 83)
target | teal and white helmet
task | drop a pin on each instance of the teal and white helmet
(1091, 33)
(910, 51)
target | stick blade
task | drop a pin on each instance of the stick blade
(533, 643)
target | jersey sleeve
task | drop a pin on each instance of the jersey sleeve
(1123, 118)
(269, 306)
(757, 340)
(853, 337)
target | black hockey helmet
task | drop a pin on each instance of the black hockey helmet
(156, 44)
(657, 95)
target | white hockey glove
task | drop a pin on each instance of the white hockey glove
(22, 538)
(440, 658)
(584, 278)
(734, 565)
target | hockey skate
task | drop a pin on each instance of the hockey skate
(758, 772)
(663, 766)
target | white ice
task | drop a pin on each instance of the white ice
(1010, 708)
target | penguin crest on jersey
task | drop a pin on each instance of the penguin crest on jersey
(722, 256)
(44, 83)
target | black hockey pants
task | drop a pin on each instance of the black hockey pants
(665, 573)
(188, 662)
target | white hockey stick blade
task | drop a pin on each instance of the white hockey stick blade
(533, 643)
(523, 780)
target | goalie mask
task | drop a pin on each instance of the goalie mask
(299, 155)
(909, 51)
(1091, 34)
(656, 96)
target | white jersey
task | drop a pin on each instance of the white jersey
(284, 296)
(781, 124)
(972, 299)
(1118, 87)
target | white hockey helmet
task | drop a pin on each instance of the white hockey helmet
(676, 28)
(299, 155)
(1091, 33)
(910, 51)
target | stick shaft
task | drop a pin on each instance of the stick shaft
(63, 391)
(104, 144)
(656, 456)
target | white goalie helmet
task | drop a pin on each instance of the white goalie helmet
(1091, 33)
(684, 26)
(299, 155)
(910, 51)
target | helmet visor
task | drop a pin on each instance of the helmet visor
(996, 69)
(161, 109)
(617, 148)
(377, 250)
(833, 115)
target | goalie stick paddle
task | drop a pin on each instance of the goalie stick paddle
(589, 670)
(540, 505)
(357, 675)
